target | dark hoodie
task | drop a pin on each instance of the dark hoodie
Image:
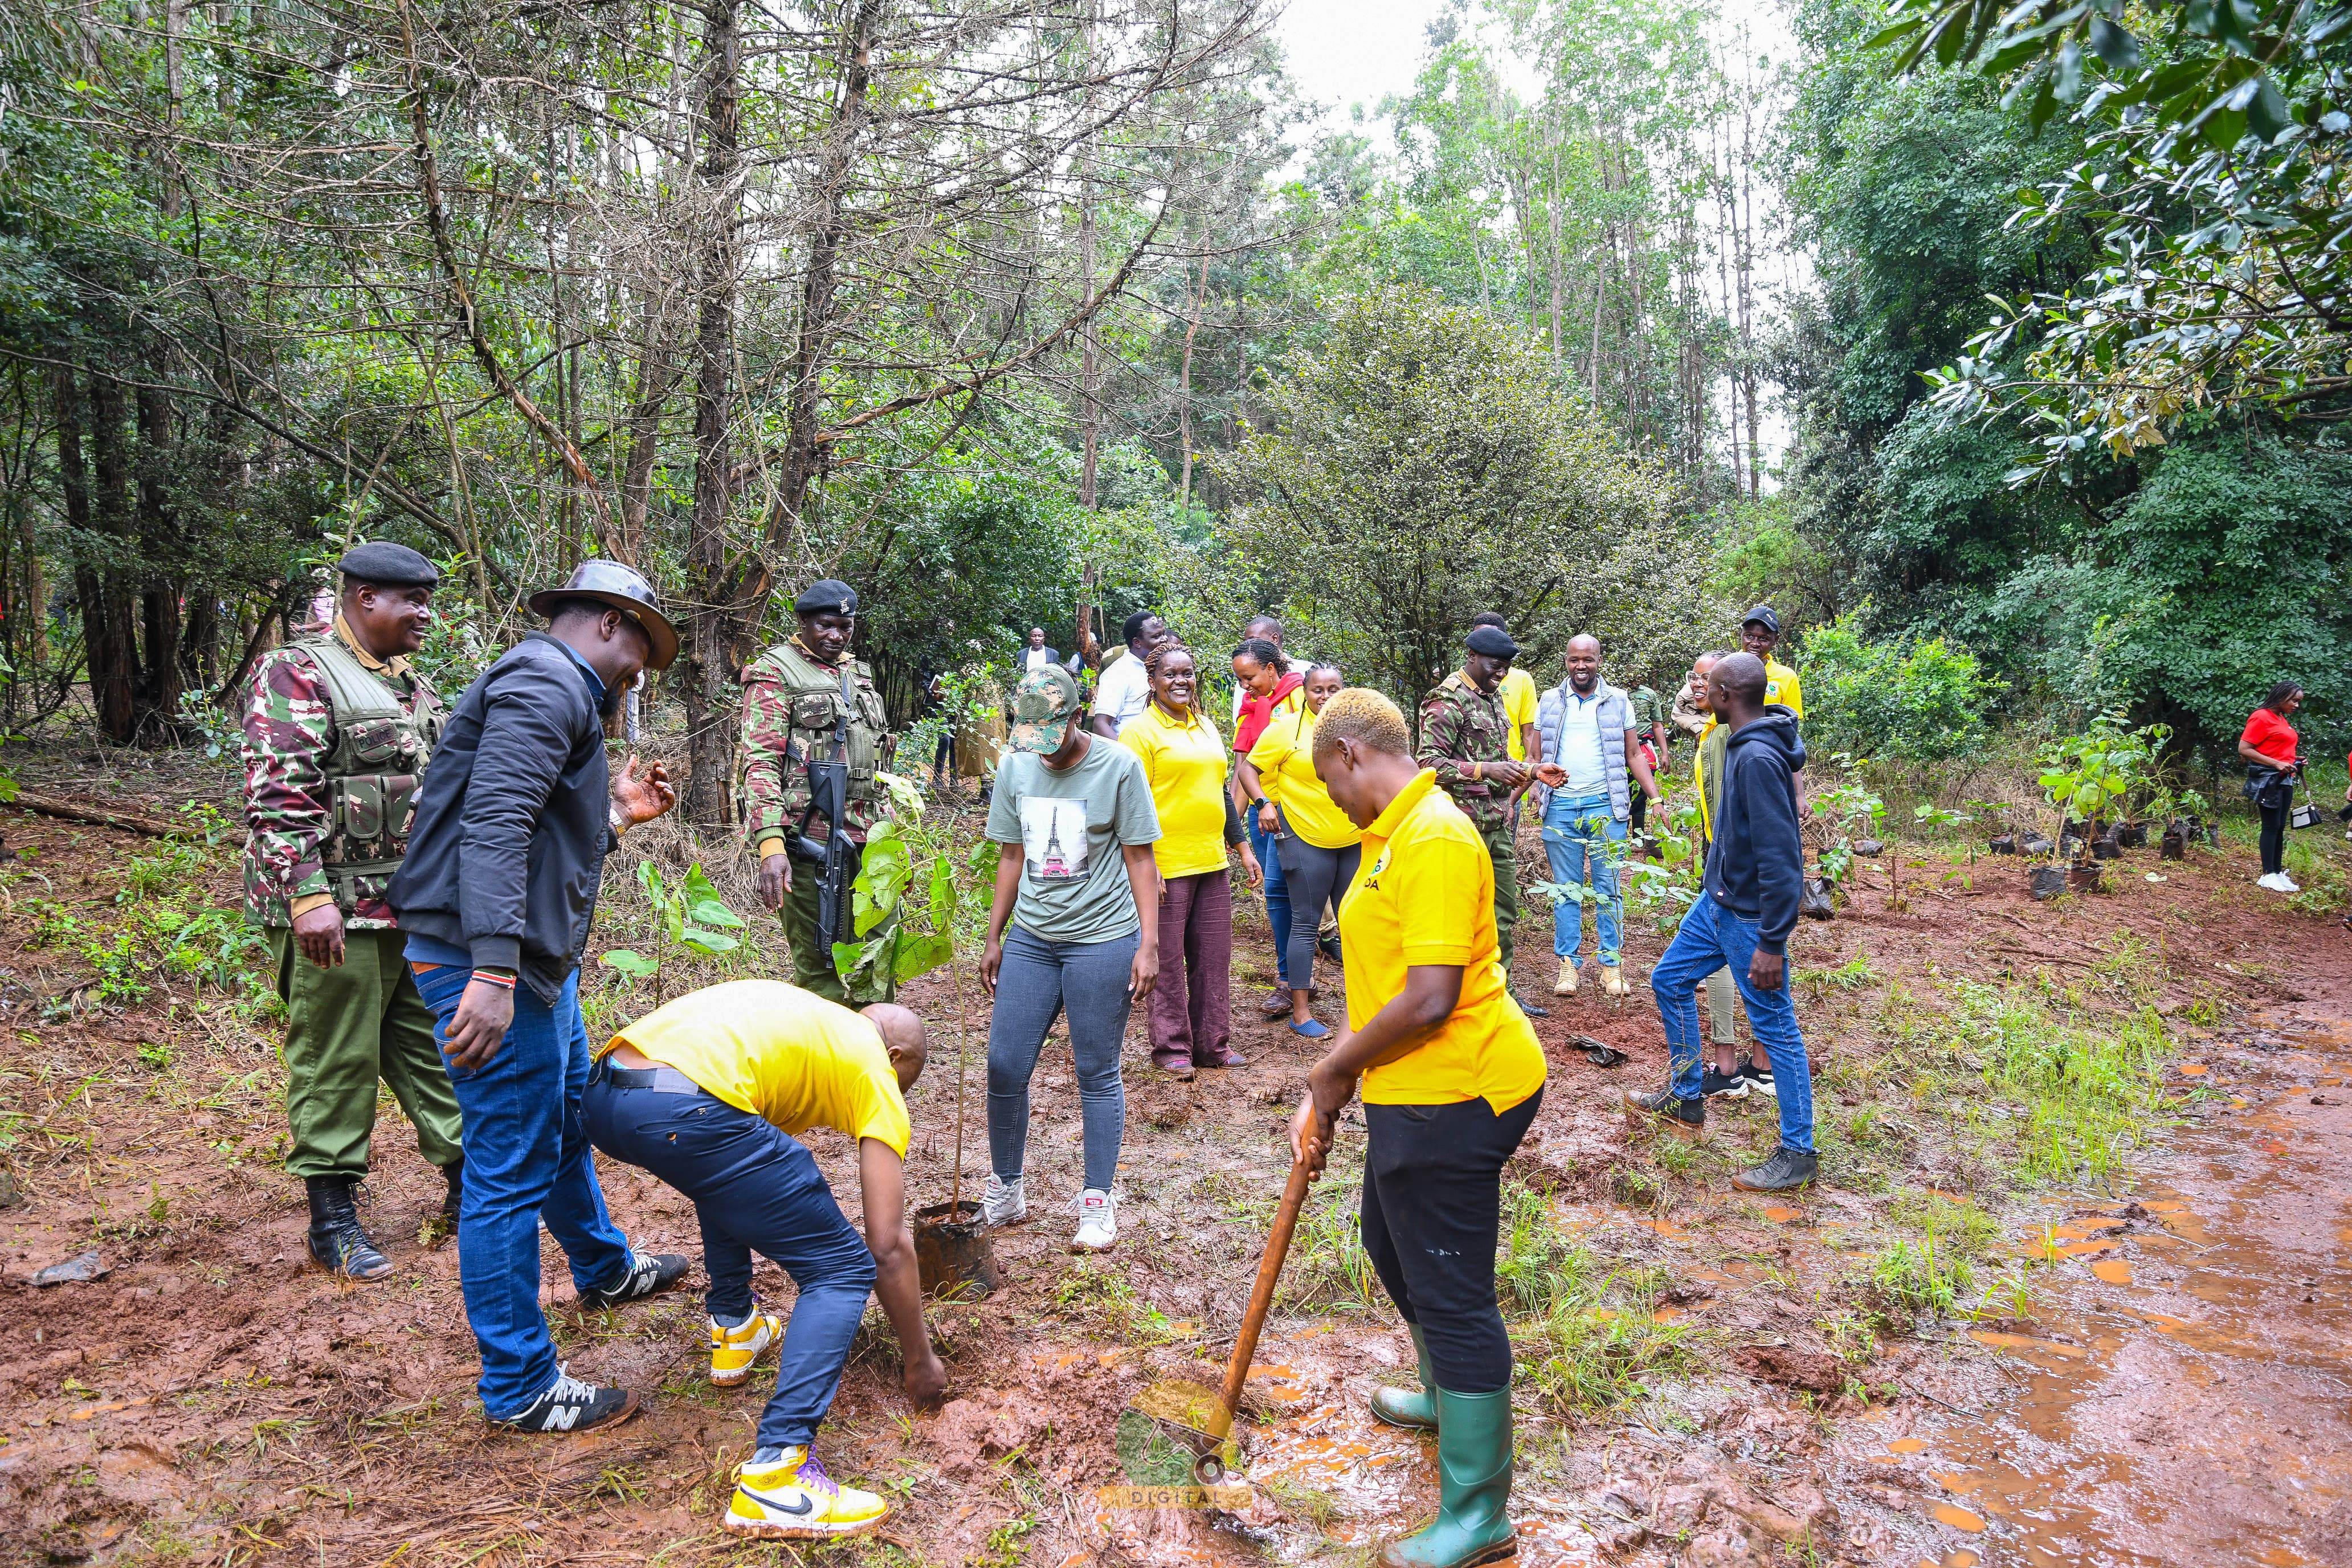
(1755, 865)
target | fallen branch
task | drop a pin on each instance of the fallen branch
(77, 811)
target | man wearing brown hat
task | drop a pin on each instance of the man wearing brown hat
(496, 896)
(814, 727)
(337, 728)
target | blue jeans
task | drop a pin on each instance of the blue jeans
(526, 1160)
(1277, 895)
(1713, 938)
(754, 1188)
(1039, 981)
(1580, 838)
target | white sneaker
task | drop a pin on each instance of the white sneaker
(2275, 881)
(2287, 884)
(1098, 1214)
(1003, 1202)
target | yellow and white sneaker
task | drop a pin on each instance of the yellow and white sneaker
(791, 1497)
(732, 1350)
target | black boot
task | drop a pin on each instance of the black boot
(337, 1242)
(453, 1172)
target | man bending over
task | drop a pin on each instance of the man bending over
(706, 1094)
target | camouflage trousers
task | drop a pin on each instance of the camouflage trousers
(812, 966)
(347, 1028)
(1502, 847)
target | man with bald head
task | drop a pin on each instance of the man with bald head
(1741, 920)
(707, 1093)
(1589, 758)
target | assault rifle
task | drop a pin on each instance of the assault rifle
(833, 855)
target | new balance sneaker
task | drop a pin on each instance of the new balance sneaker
(732, 1350)
(1712, 1083)
(1686, 1117)
(1003, 1202)
(572, 1406)
(1755, 1078)
(1098, 1214)
(786, 1493)
(648, 1274)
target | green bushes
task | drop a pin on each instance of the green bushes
(1911, 700)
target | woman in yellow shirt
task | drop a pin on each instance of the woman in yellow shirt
(1451, 1078)
(1312, 837)
(1190, 1019)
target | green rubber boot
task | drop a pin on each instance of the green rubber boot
(1474, 1488)
(1414, 1409)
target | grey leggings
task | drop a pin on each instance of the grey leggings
(1040, 980)
(1314, 877)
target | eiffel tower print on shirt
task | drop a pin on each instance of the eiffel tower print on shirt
(1054, 838)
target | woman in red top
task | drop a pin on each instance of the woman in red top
(2268, 745)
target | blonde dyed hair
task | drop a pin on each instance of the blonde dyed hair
(1360, 714)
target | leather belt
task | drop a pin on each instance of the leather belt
(660, 1079)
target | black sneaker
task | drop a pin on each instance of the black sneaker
(572, 1406)
(1685, 1116)
(1785, 1172)
(1756, 1078)
(650, 1274)
(1712, 1083)
(1329, 946)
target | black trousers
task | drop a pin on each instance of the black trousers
(1640, 812)
(1433, 1202)
(2274, 836)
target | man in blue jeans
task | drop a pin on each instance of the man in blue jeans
(1742, 918)
(1587, 760)
(496, 895)
(706, 1093)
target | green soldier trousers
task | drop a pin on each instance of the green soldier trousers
(813, 967)
(1502, 847)
(345, 1029)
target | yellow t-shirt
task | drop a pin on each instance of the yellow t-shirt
(1780, 686)
(1425, 895)
(780, 1053)
(1285, 759)
(1184, 762)
(1517, 690)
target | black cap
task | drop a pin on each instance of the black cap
(1763, 616)
(388, 565)
(827, 593)
(622, 588)
(1491, 641)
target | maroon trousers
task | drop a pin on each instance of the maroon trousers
(1191, 1015)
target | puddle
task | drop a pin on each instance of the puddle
(2183, 1399)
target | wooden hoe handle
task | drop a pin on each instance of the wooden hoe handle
(1269, 1270)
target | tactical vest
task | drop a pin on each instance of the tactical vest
(817, 709)
(379, 753)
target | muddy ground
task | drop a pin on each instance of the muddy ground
(2126, 1347)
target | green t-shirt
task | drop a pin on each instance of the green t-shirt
(1649, 709)
(1071, 826)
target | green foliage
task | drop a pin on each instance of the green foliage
(1920, 1277)
(689, 916)
(1909, 699)
(2103, 770)
(907, 847)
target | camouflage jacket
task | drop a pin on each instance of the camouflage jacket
(1460, 725)
(792, 702)
(297, 818)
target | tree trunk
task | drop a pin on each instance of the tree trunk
(1184, 378)
(107, 648)
(711, 678)
(1091, 411)
(159, 682)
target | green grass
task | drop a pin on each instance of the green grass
(1912, 1278)
(1955, 1224)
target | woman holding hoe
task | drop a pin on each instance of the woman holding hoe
(1452, 1077)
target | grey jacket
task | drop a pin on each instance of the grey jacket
(1615, 717)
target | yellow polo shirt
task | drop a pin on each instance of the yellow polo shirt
(780, 1053)
(1517, 690)
(1425, 895)
(1780, 686)
(1185, 762)
(1285, 759)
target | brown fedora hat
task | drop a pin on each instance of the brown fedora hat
(625, 590)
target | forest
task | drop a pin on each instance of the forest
(2003, 346)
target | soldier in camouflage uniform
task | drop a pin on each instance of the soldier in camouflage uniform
(337, 730)
(793, 705)
(1465, 738)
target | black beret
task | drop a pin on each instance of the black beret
(827, 593)
(389, 565)
(1491, 641)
